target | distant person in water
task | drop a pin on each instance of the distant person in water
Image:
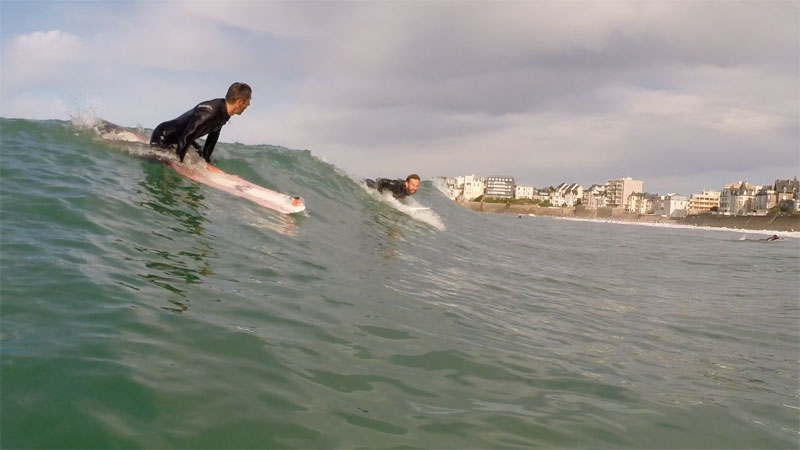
(207, 118)
(399, 188)
(774, 237)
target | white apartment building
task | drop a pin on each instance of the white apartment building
(574, 194)
(474, 187)
(637, 203)
(567, 195)
(524, 192)
(618, 190)
(738, 198)
(556, 198)
(453, 186)
(542, 195)
(643, 203)
(500, 186)
(703, 202)
(674, 205)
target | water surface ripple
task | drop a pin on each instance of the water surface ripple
(140, 309)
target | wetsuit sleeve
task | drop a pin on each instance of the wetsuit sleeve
(382, 183)
(201, 116)
(185, 141)
(211, 141)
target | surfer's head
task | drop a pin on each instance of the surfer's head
(238, 98)
(412, 184)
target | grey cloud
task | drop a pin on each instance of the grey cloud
(550, 91)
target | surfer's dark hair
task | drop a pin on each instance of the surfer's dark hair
(413, 176)
(238, 91)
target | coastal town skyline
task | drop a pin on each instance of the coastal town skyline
(707, 186)
(626, 193)
(661, 185)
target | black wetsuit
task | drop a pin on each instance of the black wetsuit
(396, 187)
(207, 118)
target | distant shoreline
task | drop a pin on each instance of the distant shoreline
(756, 223)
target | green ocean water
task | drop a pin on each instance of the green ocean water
(139, 309)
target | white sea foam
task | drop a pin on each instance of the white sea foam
(408, 206)
(415, 210)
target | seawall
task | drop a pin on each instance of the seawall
(773, 223)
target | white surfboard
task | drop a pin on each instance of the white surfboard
(210, 175)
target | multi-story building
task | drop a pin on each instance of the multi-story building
(543, 195)
(779, 194)
(765, 199)
(453, 186)
(784, 197)
(556, 197)
(674, 205)
(500, 186)
(474, 187)
(704, 202)
(643, 203)
(595, 197)
(786, 186)
(637, 203)
(786, 191)
(524, 192)
(568, 194)
(738, 198)
(617, 191)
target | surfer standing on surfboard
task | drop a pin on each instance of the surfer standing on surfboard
(399, 188)
(207, 118)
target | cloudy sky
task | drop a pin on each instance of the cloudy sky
(684, 95)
